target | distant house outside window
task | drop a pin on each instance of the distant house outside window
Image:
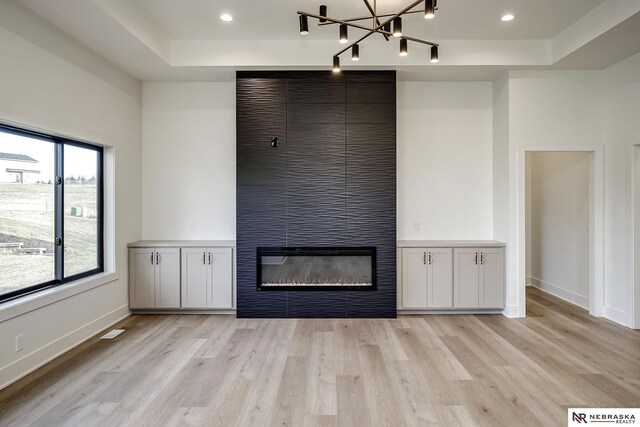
(50, 211)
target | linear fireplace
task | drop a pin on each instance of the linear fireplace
(316, 268)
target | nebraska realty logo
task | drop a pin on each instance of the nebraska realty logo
(600, 416)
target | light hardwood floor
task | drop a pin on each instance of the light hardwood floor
(416, 370)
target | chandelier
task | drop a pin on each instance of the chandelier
(381, 24)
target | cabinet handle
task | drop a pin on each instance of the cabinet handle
(476, 260)
(157, 258)
(424, 258)
(204, 258)
(482, 258)
(210, 258)
(430, 259)
(151, 258)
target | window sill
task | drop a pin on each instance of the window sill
(27, 303)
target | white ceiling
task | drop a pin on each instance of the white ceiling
(277, 20)
(184, 40)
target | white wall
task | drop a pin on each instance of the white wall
(621, 131)
(189, 161)
(580, 107)
(527, 201)
(559, 224)
(635, 252)
(500, 155)
(445, 160)
(49, 82)
(546, 108)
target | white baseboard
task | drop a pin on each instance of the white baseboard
(32, 361)
(511, 311)
(560, 292)
(527, 281)
(184, 311)
(616, 315)
(450, 311)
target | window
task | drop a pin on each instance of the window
(50, 211)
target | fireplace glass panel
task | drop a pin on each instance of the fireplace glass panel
(316, 268)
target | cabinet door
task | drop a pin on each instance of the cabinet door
(491, 281)
(414, 278)
(465, 277)
(220, 283)
(194, 277)
(167, 276)
(439, 278)
(141, 278)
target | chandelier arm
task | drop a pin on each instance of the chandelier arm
(348, 23)
(375, 30)
(362, 27)
(362, 18)
(373, 15)
(413, 39)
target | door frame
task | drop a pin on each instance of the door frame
(634, 236)
(596, 220)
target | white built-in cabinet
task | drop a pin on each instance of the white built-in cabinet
(206, 275)
(180, 277)
(156, 275)
(491, 272)
(427, 278)
(441, 278)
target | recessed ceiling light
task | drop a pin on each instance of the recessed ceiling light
(507, 18)
(226, 17)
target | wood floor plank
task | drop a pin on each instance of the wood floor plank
(382, 399)
(417, 401)
(289, 407)
(322, 395)
(437, 370)
(353, 409)
(455, 416)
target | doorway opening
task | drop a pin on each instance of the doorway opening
(517, 267)
(558, 217)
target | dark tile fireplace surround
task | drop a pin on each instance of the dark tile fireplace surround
(316, 194)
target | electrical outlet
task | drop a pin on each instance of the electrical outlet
(417, 226)
(193, 225)
(19, 342)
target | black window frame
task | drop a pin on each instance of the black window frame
(59, 143)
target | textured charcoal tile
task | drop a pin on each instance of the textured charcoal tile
(368, 134)
(256, 92)
(316, 90)
(318, 304)
(371, 93)
(388, 77)
(316, 113)
(371, 113)
(330, 183)
(316, 183)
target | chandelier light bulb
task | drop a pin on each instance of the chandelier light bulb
(355, 53)
(344, 37)
(336, 64)
(403, 47)
(304, 25)
(397, 27)
(429, 9)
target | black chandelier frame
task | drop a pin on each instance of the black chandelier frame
(378, 26)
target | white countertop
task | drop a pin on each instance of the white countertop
(400, 243)
(450, 244)
(181, 243)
